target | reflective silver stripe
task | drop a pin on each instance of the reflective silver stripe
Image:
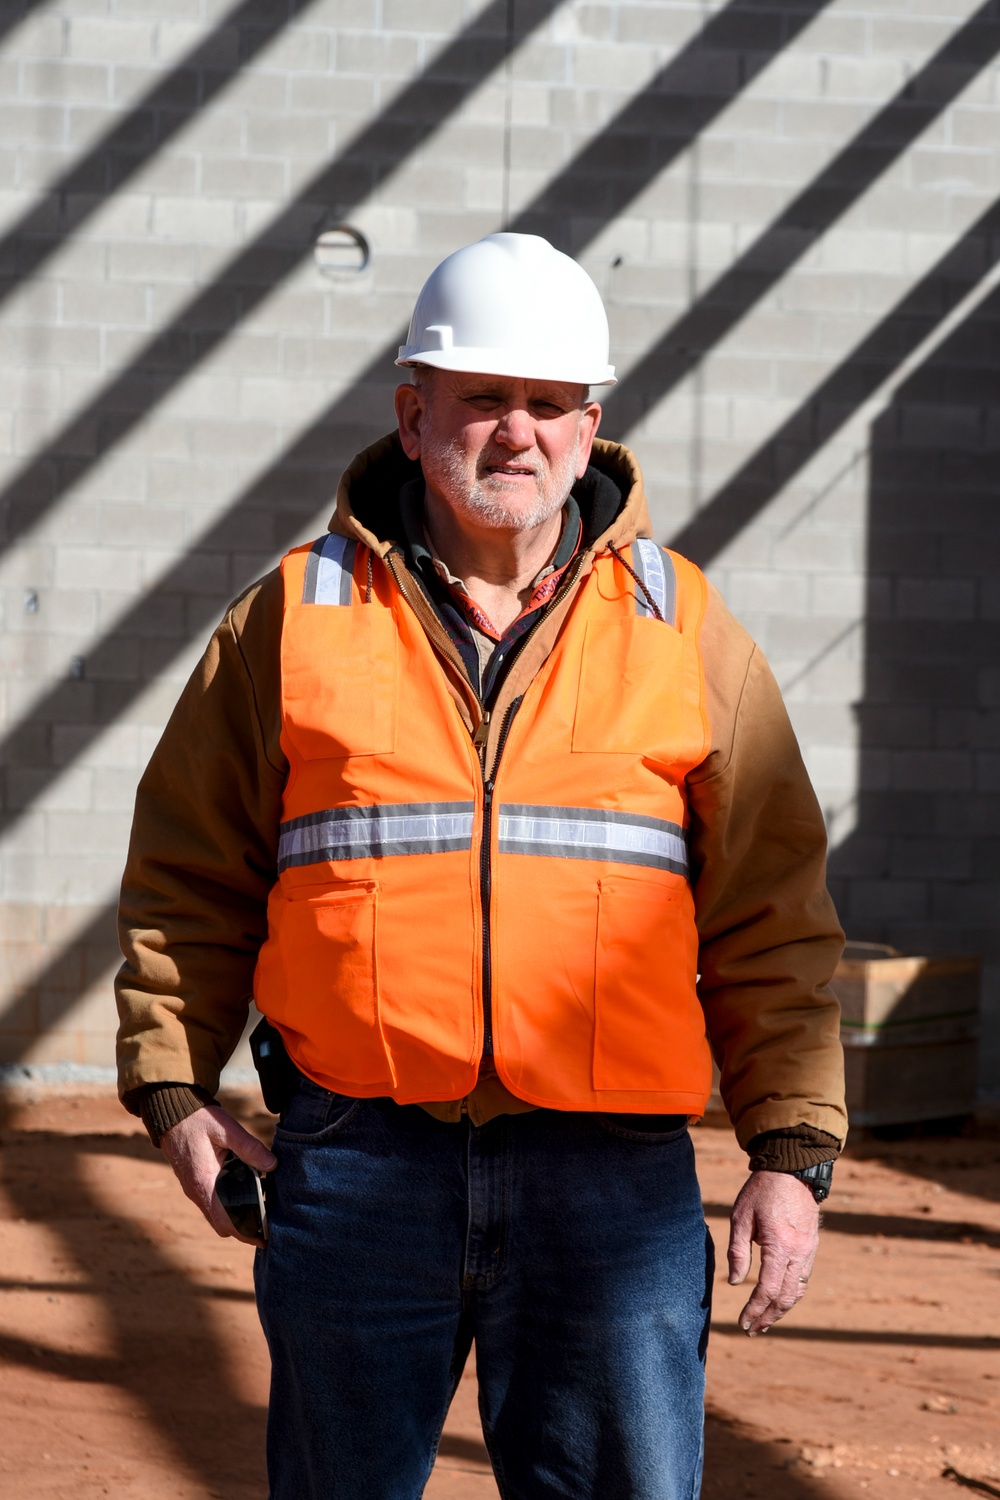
(656, 570)
(374, 832)
(593, 833)
(329, 568)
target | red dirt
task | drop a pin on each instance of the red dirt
(134, 1365)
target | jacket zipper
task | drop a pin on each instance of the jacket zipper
(479, 739)
(486, 865)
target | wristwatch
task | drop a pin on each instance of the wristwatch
(818, 1179)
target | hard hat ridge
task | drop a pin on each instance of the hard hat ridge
(511, 304)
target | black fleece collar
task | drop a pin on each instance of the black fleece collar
(377, 498)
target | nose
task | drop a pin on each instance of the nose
(515, 430)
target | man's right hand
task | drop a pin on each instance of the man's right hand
(196, 1149)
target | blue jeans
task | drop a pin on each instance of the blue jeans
(571, 1247)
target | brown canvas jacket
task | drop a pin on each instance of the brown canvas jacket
(203, 852)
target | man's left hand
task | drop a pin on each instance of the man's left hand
(779, 1212)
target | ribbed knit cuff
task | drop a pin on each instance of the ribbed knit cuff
(792, 1149)
(161, 1106)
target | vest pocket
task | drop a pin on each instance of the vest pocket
(644, 998)
(339, 680)
(329, 947)
(631, 696)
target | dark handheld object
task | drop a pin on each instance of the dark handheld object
(279, 1077)
(240, 1189)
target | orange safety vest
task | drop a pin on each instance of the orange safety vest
(420, 912)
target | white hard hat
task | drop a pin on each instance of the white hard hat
(511, 304)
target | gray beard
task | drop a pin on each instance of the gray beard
(481, 496)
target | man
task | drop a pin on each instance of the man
(497, 809)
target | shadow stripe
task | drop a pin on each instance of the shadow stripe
(843, 393)
(979, 1341)
(30, 742)
(179, 347)
(661, 121)
(63, 208)
(810, 215)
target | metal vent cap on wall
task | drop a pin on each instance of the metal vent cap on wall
(341, 252)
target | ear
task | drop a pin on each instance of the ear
(409, 403)
(590, 420)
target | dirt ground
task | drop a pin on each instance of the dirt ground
(134, 1366)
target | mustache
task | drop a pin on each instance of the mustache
(501, 460)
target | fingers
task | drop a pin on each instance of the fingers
(196, 1149)
(782, 1283)
(246, 1146)
(779, 1213)
(739, 1252)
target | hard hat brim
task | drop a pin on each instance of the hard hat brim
(492, 362)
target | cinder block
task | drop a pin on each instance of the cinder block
(936, 599)
(71, 84)
(152, 262)
(435, 16)
(33, 124)
(219, 48)
(669, 26)
(114, 305)
(20, 922)
(123, 216)
(110, 41)
(42, 36)
(624, 67)
(865, 78)
(597, 22)
(332, 95)
(877, 901)
(933, 770)
(287, 135)
(200, 220)
(974, 128)
(966, 169)
(912, 37)
(380, 56)
(45, 345)
(188, 10)
(299, 49)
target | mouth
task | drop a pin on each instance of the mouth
(511, 471)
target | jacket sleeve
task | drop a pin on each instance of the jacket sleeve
(202, 859)
(769, 936)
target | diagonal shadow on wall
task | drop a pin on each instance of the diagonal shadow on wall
(116, 663)
(188, 87)
(922, 868)
(14, 12)
(845, 390)
(262, 522)
(663, 119)
(266, 517)
(30, 747)
(379, 149)
(174, 351)
(880, 144)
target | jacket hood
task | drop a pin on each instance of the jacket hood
(610, 495)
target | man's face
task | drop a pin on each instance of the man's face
(500, 453)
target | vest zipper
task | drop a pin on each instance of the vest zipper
(486, 869)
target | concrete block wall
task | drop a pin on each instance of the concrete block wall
(789, 208)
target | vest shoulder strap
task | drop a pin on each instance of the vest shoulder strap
(329, 570)
(658, 580)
